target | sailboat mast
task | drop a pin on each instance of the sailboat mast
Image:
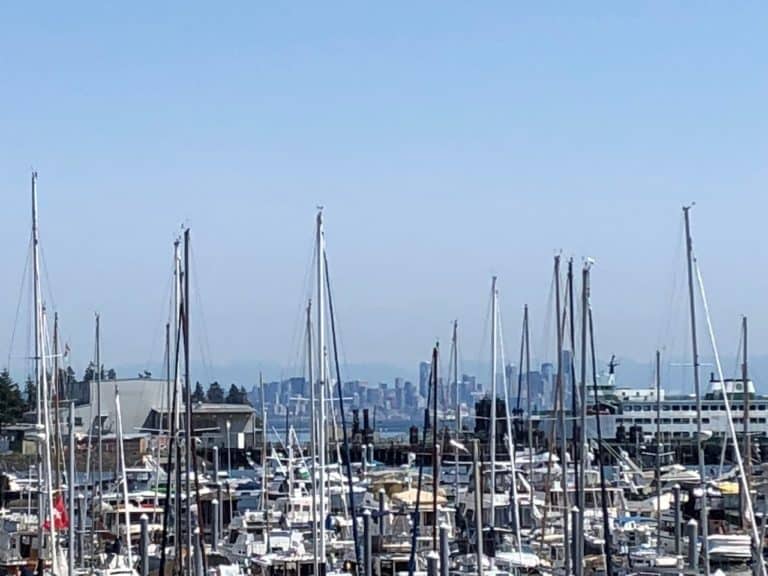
(561, 420)
(38, 349)
(704, 517)
(435, 448)
(582, 440)
(37, 298)
(123, 477)
(46, 446)
(528, 383)
(99, 420)
(187, 406)
(264, 493)
(313, 433)
(321, 372)
(492, 431)
(658, 451)
(57, 446)
(601, 455)
(747, 442)
(455, 360)
(167, 377)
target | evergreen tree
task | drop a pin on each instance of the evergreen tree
(11, 403)
(30, 394)
(233, 396)
(215, 393)
(90, 372)
(244, 396)
(199, 394)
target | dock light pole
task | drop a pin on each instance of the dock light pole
(229, 449)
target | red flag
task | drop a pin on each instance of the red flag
(60, 516)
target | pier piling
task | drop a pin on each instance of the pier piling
(692, 532)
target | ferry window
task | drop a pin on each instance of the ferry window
(647, 408)
(665, 408)
(761, 407)
(761, 420)
(753, 420)
(705, 420)
(739, 408)
(704, 407)
(675, 408)
(722, 407)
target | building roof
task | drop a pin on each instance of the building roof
(212, 408)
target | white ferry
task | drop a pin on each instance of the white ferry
(678, 414)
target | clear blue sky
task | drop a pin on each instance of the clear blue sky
(448, 141)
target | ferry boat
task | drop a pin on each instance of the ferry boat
(678, 414)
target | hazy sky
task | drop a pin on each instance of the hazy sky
(448, 141)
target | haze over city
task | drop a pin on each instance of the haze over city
(446, 142)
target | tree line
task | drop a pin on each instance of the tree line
(215, 394)
(14, 402)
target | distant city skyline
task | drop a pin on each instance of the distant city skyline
(446, 147)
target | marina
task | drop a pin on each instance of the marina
(123, 476)
(383, 289)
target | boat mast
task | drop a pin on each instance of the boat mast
(747, 442)
(435, 447)
(528, 383)
(601, 455)
(187, 405)
(58, 447)
(492, 431)
(704, 517)
(575, 448)
(264, 490)
(455, 359)
(313, 434)
(658, 451)
(123, 477)
(99, 420)
(46, 447)
(584, 447)
(561, 418)
(321, 372)
(179, 310)
(38, 348)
